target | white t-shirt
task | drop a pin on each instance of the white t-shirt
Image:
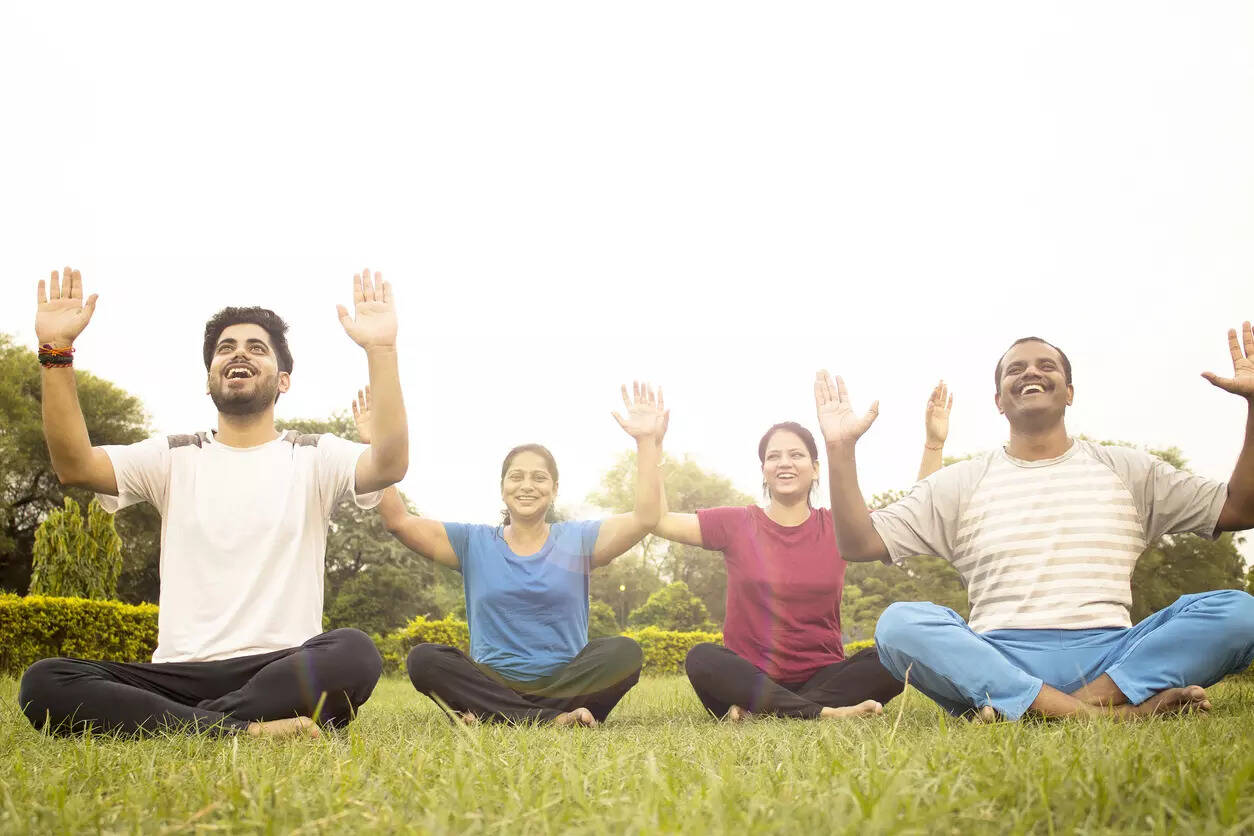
(243, 536)
(1049, 544)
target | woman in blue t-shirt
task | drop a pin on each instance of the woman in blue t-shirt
(526, 584)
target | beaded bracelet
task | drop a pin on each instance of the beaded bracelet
(51, 357)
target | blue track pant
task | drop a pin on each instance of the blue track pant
(1198, 640)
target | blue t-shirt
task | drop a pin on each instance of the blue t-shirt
(528, 616)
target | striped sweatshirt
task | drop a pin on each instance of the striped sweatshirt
(1049, 544)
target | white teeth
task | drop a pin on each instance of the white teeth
(1031, 387)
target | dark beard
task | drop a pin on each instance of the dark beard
(245, 404)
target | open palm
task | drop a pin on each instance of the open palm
(373, 323)
(936, 418)
(1242, 380)
(362, 415)
(646, 412)
(61, 314)
(837, 420)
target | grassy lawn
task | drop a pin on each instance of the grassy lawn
(658, 765)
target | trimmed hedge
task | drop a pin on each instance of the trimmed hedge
(37, 627)
(664, 650)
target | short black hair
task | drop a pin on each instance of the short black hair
(1066, 364)
(253, 315)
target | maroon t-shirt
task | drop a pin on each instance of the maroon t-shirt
(783, 589)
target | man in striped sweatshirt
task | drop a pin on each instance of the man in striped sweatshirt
(1045, 533)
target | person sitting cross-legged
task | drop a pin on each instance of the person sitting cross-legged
(782, 652)
(1045, 533)
(244, 509)
(526, 584)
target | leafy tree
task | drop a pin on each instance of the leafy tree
(688, 488)
(359, 546)
(625, 584)
(673, 607)
(601, 621)
(29, 489)
(73, 560)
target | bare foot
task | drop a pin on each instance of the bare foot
(986, 714)
(468, 719)
(735, 714)
(866, 708)
(290, 727)
(1191, 698)
(578, 717)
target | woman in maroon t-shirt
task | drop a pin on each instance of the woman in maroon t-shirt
(782, 652)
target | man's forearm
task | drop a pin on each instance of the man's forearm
(648, 508)
(389, 442)
(1238, 511)
(856, 538)
(65, 429)
(933, 459)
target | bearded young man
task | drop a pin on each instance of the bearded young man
(1045, 533)
(244, 515)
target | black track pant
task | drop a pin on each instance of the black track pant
(596, 679)
(723, 679)
(70, 695)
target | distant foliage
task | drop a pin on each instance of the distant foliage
(38, 627)
(601, 621)
(30, 490)
(673, 607)
(74, 560)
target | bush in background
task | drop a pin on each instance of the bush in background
(73, 560)
(38, 627)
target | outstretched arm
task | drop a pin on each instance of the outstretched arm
(856, 538)
(425, 537)
(1238, 510)
(373, 327)
(646, 423)
(60, 317)
(936, 422)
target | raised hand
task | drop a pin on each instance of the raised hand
(646, 413)
(373, 323)
(361, 414)
(1242, 380)
(936, 418)
(61, 314)
(837, 421)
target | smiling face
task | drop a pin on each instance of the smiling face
(787, 468)
(528, 486)
(244, 376)
(1032, 390)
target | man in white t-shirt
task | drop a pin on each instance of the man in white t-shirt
(1045, 533)
(244, 516)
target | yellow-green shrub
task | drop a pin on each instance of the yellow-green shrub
(855, 647)
(664, 650)
(395, 646)
(37, 627)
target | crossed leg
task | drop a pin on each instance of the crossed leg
(264, 694)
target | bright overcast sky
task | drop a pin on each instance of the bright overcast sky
(721, 197)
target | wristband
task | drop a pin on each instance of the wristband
(54, 358)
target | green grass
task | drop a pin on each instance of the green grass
(658, 765)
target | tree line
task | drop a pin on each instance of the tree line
(376, 584)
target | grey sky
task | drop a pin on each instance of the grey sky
(719, 197)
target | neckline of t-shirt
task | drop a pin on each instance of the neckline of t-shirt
(540, 552)
(813, 513)
(211, 437)
(1070, 451)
